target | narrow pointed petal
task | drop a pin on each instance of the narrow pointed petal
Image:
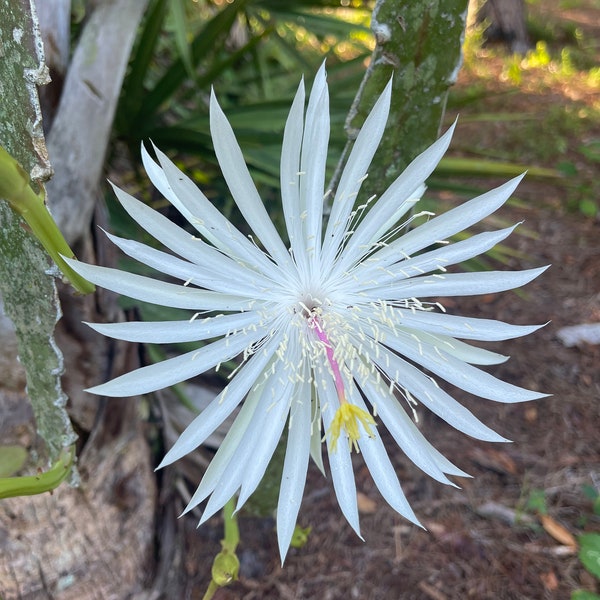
(467, 377)
(185, 196)
(250, 458)
(190, 273)
(434, 260)
(316, 443)
(411, 179)
(241, 186)
(218, 467)
(295, 467)
(340, 462)
(354, 174)
(186, 245)
(453, 284)
(159, 292)
(381, 469)
(216, 412)
(448, 223)
(456, 348)
(212, 224)
(407, 435)
(313, 162)
(466, 328)
(276, 409)
(172, 332)
(177, 369)
(424, 389)
(290, 177)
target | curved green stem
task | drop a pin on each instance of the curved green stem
(14, 187)
(43, 482)
(226, 565)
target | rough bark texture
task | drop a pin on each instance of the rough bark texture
(419, 44)
(29, 293)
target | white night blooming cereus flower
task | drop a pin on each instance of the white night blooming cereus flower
(331, 329)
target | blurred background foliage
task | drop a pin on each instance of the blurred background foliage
(254, 51)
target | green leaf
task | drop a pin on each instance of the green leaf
(584, 595)
(589, 552)
(203, 44)
(180, 26)
(133, 92)
(537, 502)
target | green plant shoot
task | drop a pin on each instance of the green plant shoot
(46, 481)
(15, 187)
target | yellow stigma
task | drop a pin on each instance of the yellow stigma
(347, 417)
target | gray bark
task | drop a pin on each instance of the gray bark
(28, 291)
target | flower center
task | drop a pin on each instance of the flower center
(348, 416)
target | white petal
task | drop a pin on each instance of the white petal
(185, 196)
(174, 370)
(219, 465)
(289, 177)
(381, 469)
(186, 271)
(295, 467)
(249, 451)
(316, 443)
(410, 180)
(434, 260)
(218, 410)
(315, 143)
(406, 434)
(171, 332)
(189, 247)
(463, 375)
(424, 389)
(159, 292)
(449, 223)
(267, 433)
(455, 348)
(241, 185)
(453, 284)
(354, 173)
(206, 218)
(463, 327)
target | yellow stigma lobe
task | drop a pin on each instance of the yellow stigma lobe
(347, 417)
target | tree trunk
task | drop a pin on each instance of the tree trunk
(507, 23)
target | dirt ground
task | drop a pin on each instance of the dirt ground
(482, 540)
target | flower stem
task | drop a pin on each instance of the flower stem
(11, 487)
(15, 187)
(226, 565)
